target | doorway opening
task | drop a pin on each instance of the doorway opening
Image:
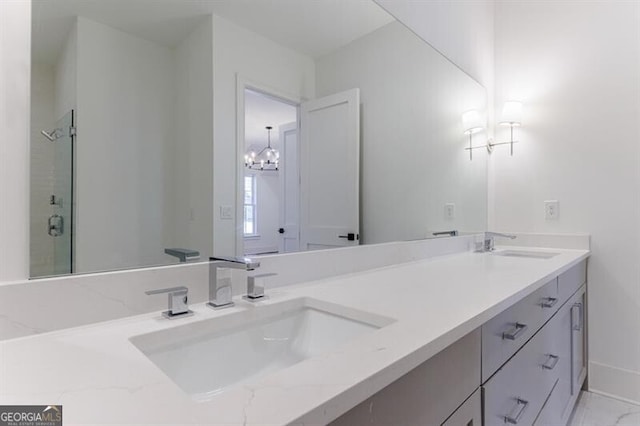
(270, 179)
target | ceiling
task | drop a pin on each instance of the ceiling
(262, 111)
(311, 27)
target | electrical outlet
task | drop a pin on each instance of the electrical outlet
(226, 212)
(551, 210)
(449, 211)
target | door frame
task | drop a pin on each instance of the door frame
(282, 213)
(243, 83)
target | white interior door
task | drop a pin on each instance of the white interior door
(329, 171)
(289, 211)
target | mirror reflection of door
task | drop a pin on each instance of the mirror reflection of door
(271, 174)
(289, 209)
(301, 183)
(329, 171)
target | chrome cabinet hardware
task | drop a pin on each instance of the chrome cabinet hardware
(551, 363)
(549, 302)
(577, 325)
(521, 405)
(178, 301)
(515, 332)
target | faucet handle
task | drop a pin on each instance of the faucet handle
(255, 287)
(490, 234)
(489, 239)
(249, 263)
(177, 300)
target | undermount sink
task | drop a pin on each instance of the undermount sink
(206, 357)
(526, 253)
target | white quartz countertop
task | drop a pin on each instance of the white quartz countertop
(100, 377)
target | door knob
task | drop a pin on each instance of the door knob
(350, 236)
(281, 231)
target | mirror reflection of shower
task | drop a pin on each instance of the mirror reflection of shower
(52, 180)
(52, 135)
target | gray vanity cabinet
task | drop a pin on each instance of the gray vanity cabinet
(445, 388)
(540, 383)
(469, 413)
(579, 340)
(572, 367)
(517, 392)
(523, 367)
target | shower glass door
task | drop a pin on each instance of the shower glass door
(60, 224)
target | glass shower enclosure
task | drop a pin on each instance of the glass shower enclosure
(57, 237)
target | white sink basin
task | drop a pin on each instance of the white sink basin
(526, 253)
(205, 357)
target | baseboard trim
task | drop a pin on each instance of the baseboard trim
(614, 382)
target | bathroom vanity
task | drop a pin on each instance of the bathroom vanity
(462, 339)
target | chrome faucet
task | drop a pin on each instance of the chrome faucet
(255, 287)
(220, 290)
(488, 243)
(178, 301)
(184, 255)
(452, 233)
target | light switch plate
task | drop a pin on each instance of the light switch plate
(226, 212)
(551, 210)
(449, 211)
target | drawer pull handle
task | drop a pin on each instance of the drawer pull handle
(577, 325)
(549, 302)
(515, 419)
(515, 332)
(551, 364)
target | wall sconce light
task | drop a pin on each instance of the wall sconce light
(472, 123)
(511, 116)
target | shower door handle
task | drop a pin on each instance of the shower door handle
(56, 225)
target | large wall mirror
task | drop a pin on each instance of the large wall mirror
(228, 127)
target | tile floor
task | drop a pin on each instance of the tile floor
(597, 410)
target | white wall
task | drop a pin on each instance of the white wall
(193, 153)
(412, 156)
(238, 51)
(65, 78)
(15, 61)
(42, 168)
(576, 67)
(125, 119)
(461, 30)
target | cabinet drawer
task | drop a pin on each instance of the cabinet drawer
(571, 280)
(468, 414)
(505, 333)
(516, 393)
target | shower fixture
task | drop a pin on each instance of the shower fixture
(53, 135)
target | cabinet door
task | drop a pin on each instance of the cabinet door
(469, 413)
(578, 340)
(553, 412)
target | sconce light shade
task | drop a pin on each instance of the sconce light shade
(511, 114)
(472, 122)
